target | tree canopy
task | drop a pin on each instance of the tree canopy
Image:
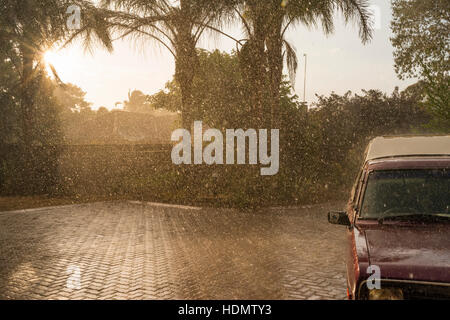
(422, 50)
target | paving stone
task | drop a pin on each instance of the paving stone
(125, 250)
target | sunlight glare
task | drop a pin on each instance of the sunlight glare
(51, 58)
(62, 61)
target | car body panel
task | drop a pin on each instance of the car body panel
(397, 146)
(410, 251)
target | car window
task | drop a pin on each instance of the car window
(406, 192)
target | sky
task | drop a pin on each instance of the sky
(335, 63)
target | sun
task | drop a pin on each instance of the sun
(64, 62)
(50, 57)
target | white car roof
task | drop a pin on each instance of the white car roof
(397, 146)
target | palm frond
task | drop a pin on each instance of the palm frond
(291, 61)
(322, 11)
(358, 10)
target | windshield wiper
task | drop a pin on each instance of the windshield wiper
(416, 216)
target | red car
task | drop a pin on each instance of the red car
(398, 220)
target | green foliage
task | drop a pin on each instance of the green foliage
(266, 50)
(45, 113)
(320, 152)
(219, 93)
(30, 113)
(167, 99)
(421, 41)
(71, 98)
(137, 102)
(176, 26)
(27, 31)
(30, 169)
(437, 90)
(320, 149)
(9, 121)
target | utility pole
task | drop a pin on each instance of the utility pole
(304, 81)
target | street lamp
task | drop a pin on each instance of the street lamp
(304, 81)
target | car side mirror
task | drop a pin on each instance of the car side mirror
(339, 217)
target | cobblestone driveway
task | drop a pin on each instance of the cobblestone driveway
(131, 250)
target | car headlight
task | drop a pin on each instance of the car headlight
(386, 294)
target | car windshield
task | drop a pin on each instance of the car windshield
(407, 193)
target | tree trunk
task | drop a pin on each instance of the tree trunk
(27, 96)
(186, 66)
(253, 62)
(275, 65)
(27, 108)
(260, 80)
(186, 61)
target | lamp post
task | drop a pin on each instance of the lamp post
(304, 81)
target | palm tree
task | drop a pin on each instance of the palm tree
(177, 26)
(266, 23)
(30, 28)
(252, 55)
(137, 102)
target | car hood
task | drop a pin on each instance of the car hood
(415, 252)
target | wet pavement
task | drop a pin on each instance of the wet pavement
(133, 250)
